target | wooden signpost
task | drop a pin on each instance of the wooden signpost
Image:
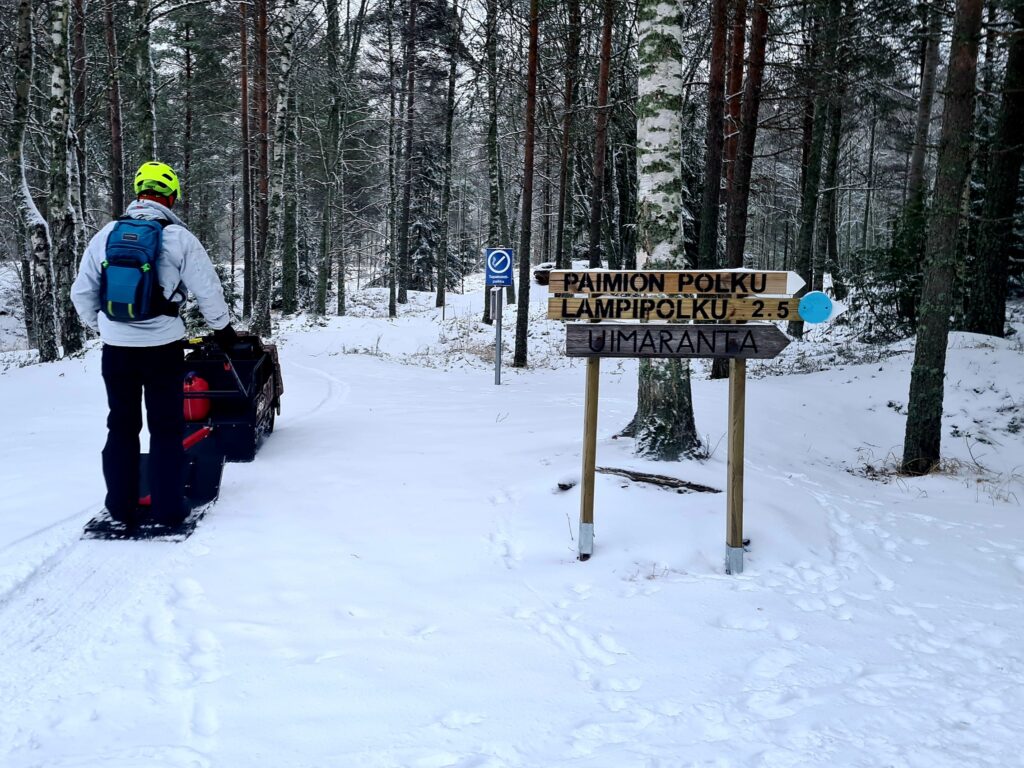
(733, 296)
(708, 309)
(607, 340)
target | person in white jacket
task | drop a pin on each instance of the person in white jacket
(145, 357)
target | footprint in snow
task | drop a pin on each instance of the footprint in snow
(745, 623)
(456, 720)
(772, 664)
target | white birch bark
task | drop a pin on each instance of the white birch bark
(62, 214)
(35, 226)
(659, 120)
(664, 425)
(281, 119)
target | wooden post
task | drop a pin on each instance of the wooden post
(734, 487)
(586, 542)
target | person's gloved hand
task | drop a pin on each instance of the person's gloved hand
(225, 337)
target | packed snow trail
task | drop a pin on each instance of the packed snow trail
(393, 583)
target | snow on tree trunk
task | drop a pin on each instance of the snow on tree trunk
(404, 256)
(491, 140)
(664, 424)
(79, 70)
(446, 168)
(924, 408)
(289, 225)
(519, 357)
(708, 249)
(282, 118)
(246, 160)
(37, 231)
(263, 263)
(62, 214)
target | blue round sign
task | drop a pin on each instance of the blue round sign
(815, 307)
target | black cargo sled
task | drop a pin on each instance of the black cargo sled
(239, 393)
(231, 400)
(204, 466)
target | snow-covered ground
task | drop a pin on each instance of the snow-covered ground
(393, 581)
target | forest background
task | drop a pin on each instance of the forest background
(872, 146)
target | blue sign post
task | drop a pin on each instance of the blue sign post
(498, 266)
(497, 275)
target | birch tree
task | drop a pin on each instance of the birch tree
(38, 233)
(279, 161)
(664, 425)
(62, 213)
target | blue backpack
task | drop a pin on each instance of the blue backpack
(129, 285)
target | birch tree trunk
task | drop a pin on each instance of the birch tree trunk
(664, 425)
(62, 214)
(282, 118)
(37, 231)
(526, 222)
(921, 449)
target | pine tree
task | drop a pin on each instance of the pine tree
(921, 448)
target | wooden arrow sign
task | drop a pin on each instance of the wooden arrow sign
(671, 308)
(614, 340)
(736, 282)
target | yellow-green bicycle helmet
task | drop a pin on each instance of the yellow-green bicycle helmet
(158, 178)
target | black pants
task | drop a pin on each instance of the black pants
(128, 372)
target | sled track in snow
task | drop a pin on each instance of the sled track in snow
(53, 620)
(28, 558)
(337, 393)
